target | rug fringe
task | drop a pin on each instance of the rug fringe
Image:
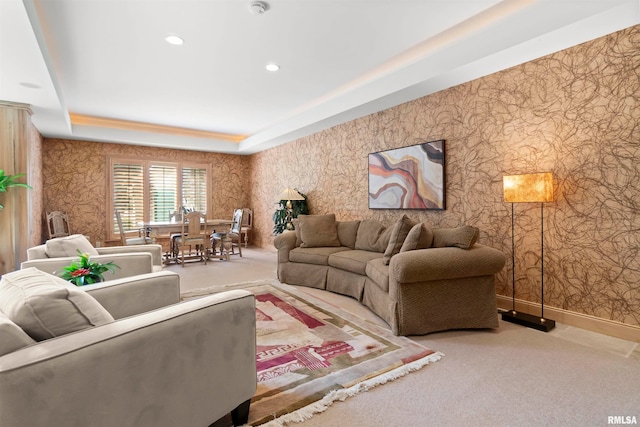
(323, 404)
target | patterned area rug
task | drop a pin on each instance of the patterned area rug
(310, 354)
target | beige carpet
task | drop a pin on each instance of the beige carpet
(512, 376)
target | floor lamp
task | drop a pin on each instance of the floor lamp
(528, 188)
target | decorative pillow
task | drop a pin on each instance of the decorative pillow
(419, 237)
(13, 338)
(347, 232)
(399, 233)
(46, 306)
(318, 231)
(372, 236)
(463, 237)
(69, 246)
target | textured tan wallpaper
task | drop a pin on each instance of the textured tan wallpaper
(575, 113)
(74, 174)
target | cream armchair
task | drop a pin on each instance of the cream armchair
(55, 254)
(158, 363)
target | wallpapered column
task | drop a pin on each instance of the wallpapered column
(575, 113)
(20, 220)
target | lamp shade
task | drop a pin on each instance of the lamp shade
(290, 194)
(533, 187)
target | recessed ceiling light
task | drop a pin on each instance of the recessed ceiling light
(175, 40)
(272, 67)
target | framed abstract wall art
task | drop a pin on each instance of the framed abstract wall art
(408, 177)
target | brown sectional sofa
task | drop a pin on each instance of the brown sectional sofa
(417, 279)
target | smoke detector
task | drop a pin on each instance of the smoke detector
(258, 7)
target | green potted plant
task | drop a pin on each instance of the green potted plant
(84, 272)
(282, 216)
(7, 181)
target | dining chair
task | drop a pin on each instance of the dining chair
(58, 224)
(247, 222)
(127, 241)
(233, 234)
(193, 235)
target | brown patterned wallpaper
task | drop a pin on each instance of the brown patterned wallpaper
(75, 175)
(575, 113)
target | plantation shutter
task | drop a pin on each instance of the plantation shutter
(128, 194)
(145, 190)
(194, 188)
(163, 188)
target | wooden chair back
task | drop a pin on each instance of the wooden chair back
(58, 224)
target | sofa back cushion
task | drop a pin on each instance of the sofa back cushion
(296, 227)
(12, 337)
(69, 246)
(46, 306)
(463, 237)
(420, 237)
(372, 236)
(318, 231)
(347, 232)
(399, 232)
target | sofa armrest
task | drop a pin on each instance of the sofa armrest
(131, 264)
(138, 294)
(188, 364)
(155, 250)
(37, 252)
(445, 263)
(284, 243)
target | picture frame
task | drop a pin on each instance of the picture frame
(410, 177)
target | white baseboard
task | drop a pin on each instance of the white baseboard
(584, 321)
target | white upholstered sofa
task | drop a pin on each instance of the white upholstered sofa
(122, 353)
(57, 253)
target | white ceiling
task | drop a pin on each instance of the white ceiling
(104, 72)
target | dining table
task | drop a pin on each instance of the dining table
(154, 229)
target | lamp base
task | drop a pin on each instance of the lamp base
(529, 320)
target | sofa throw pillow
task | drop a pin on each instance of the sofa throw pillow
(372, 236)
(420, 237)
(46, 306)
(463, 237)
(13, 338)
(399, 232)
(318, 231)
(69, 246)
(347, 232)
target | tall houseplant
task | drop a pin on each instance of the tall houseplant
(282, 216)
(7, 181)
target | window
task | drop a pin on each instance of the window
(146, 190)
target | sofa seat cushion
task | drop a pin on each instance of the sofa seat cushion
(317, 256)
(46, 306)
(378, 271)
(354, 261)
